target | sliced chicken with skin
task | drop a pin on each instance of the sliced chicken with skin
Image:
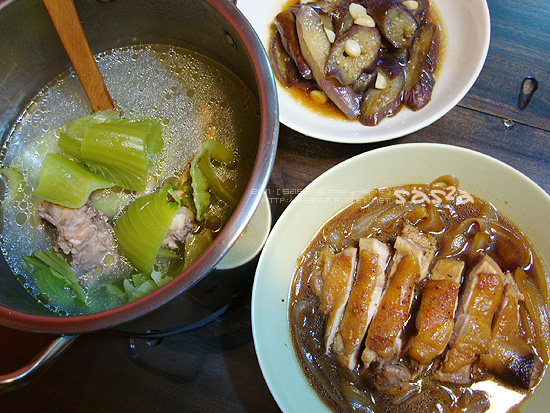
(414, 252)
(509, 356)
(384, 335)
(363, 301)
(83, 233)
(414, 242)
(472, 331)
(435, 318)
(337, 278)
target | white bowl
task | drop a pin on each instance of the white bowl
(467, 25)
(513, 194)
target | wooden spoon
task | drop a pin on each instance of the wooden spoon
(68, 27)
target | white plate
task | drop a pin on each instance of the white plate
(468, 31)
(515, 195)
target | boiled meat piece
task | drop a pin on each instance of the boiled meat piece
(83, 233)
(181, 226)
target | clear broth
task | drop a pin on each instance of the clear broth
(195, 97)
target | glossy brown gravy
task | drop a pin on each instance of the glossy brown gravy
(454, 225)
(329, 109)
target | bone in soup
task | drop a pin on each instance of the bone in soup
(421, 297)
(99, 210)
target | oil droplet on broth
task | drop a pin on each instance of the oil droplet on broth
(139, 78)
(21, 218)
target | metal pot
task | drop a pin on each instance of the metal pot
(32, 56)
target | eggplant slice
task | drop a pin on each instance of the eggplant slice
(396, 22)
(315, 47)
(419, 71)
(285, 22)
(380, 103)
(284, 67)
(347, 68)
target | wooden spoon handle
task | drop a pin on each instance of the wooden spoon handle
(68, 27)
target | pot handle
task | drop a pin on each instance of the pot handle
(37, 366)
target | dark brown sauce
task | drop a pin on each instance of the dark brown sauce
(344, 390)
(329, 109)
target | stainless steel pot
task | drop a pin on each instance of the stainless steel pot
(32, 56)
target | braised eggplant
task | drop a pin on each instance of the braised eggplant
(342, 19)
(419, 12)
(346, 65)
(284, 68)
(315, 47)
(395, 21)
(379, 103)
(364, 82)
(341, 48)
(419, 71)
(285, 22)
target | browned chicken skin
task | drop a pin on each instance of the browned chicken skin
(472, 332)
(363, 302)
(383, 338)
(435, 318)
(337, 278)
(509, 356)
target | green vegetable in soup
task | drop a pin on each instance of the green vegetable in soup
(187, 196)
(204, 179)
(139, 285)
(117, 150)
(110, 202)
(216, 186)
(122, 151)
(13, 179)
(69, 136)
(66, 183)
(201, 196)
(140, 230)
(54, 277)
(195, 245)
(218, 151)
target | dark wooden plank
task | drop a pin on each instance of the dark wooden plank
(301, 159)
(520, 40)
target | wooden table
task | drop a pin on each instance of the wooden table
(214, 368)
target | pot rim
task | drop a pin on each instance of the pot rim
(240, 218)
